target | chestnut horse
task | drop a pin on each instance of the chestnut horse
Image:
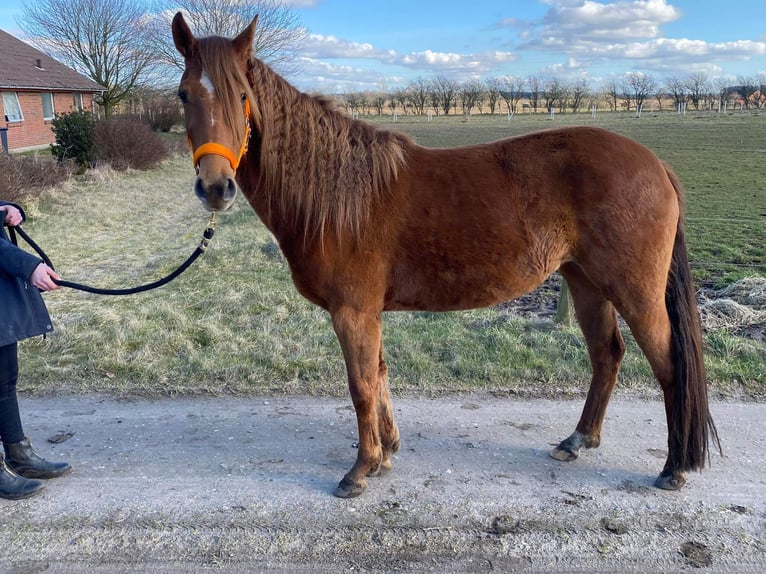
(369, 222)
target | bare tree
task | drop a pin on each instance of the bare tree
(759, 100)
(378, 100)
(722, 89)
(278, 36)
(402, 100)
(365, 101)
(492, 87)
(353, 102)
(534, 91)
(660, 94)
(102, 39)
(565, 97)
(676, 87)
(418, 92)
(553, 93)
(393, 100)
(698, 86)
(639, 87)
(444, 93)
(433, 98)
(612, 93)
(471, 93)
(747, 88)
(579, 92)
(512, 90)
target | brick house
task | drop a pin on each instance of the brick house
(33, 89)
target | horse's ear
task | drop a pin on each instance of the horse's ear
(182, 36)
(243, 43)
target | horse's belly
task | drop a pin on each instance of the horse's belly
(445, 291)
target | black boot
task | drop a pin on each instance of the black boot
(13, 486)
(23, 460)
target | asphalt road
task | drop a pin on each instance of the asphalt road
(244, 485)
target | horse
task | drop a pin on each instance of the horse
(369, 221)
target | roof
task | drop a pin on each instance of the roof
(25, 67)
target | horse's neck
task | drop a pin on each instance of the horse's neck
(283, 226)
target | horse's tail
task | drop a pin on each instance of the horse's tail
(690, 424)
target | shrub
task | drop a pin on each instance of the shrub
(22, 177)
(74, 137)
(164, 112)
(177, 144)
(127, 142)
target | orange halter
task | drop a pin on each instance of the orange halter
(212, 148)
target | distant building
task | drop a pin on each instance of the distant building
(34, 88)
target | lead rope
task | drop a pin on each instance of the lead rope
(207, 235)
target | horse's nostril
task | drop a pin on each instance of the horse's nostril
(231, 190)
(199, 189)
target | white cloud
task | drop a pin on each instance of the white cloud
(330, 47)
(673, 48)
(320, 46)
(588, 32)
(616, 20)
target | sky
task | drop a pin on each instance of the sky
(383, 44)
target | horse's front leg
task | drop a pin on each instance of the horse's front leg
(359, 334)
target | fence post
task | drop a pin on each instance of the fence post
(564, 308)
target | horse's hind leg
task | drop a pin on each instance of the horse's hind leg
(360, 335)
(389, 432)
(650, 325)
(598, 321)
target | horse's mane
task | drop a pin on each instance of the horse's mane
(319, 167)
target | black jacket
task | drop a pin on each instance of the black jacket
(22, 310)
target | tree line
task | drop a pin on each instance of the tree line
(442, 95)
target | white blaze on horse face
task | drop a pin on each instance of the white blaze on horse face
(210, 89)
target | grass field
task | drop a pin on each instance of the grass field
(234, 323)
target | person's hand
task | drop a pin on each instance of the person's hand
(42, 278)
(12, 215)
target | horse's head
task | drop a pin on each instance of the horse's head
(214, 91)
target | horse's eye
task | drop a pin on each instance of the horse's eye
(183, 96)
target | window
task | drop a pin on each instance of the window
(47, 105)
(12, 107)
(77, 96)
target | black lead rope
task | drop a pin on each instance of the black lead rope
(207, 235)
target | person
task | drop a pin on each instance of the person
(22, 314)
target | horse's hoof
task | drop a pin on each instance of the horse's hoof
(385, 467)
(348, 488)
(564, 454)
(670, 481)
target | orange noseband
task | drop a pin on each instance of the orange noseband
(212, 148)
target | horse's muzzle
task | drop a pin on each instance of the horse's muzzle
(217, 195)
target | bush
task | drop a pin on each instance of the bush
(163, 111)
(22, 177)
(127, 142)
(74, 137)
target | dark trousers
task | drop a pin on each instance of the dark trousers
(10, 420)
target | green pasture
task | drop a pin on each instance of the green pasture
(234, 324)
